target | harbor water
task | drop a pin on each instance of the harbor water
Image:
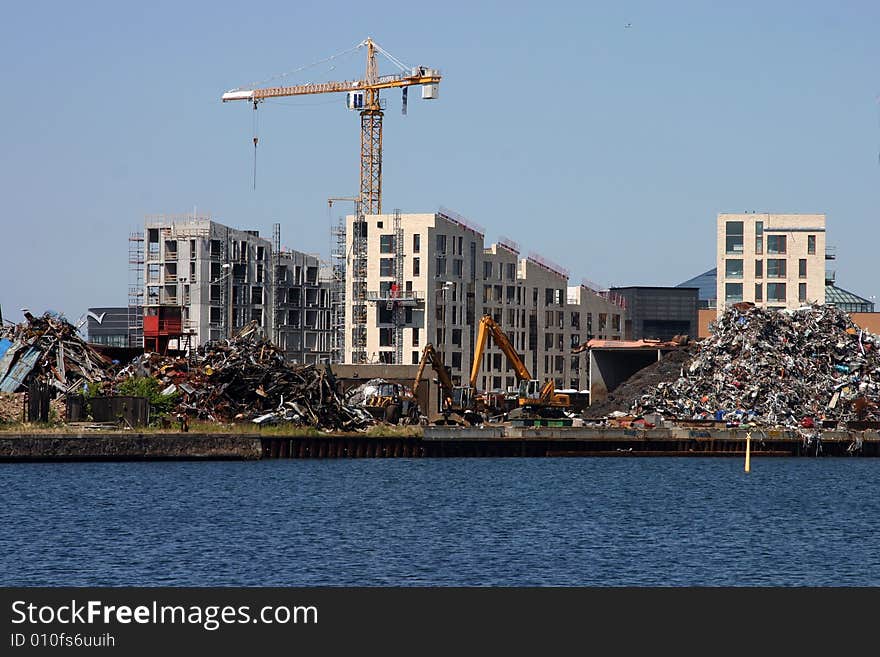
(501, 522)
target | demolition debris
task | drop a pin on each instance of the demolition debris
(247, 378)
(48, 350)
(789, 368)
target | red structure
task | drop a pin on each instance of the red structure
(162, 324)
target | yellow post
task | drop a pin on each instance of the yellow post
(748, 449)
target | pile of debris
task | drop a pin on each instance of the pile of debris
(789, 368)
(623, 397)
(247, 378)
(48, 349)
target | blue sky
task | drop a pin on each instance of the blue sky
(607, 149)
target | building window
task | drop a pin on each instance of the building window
(776, 244)
(732, 292)
(456, 337)
(615, 322)
(603, 321)
(416, 267)
(775, 268)
(441, 244)
(759, 237)
(575, 321)
(759, 269)
(802, 291)
(415, 337)
(775, 292)
(441, 266)
(386, 243)
(811, 244)
(415, 359)
(734, 237)
(386, 267)
(733, 268)
(511, 271)
(386, 337)
(417, 242)
(802, 268)
(759, 292)
(456, 359)
(457, 266)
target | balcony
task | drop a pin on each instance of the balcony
(831, 253)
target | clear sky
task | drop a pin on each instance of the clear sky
(608, 149)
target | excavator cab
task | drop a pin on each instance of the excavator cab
(529, 390)
(462, 397)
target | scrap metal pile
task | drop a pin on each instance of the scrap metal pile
(247, 378)
(49, 349)
(792, 368)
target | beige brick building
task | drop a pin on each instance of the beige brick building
(429, 278)
(774, 260)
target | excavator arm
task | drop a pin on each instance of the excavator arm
(429, 355)
(487, 327)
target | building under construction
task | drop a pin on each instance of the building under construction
(412, 279)
(203, 281)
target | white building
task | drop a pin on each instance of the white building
(418, 278)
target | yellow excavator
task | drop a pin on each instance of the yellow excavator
(457, 403)
(534, 397)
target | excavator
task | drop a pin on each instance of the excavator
(534, 397)
(457, 404)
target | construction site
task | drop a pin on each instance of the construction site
(417, 337)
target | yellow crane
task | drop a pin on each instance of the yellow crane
(363, 95)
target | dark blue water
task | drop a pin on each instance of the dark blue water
(576, 521)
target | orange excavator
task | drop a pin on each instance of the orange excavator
(534, 397)
(457, 404)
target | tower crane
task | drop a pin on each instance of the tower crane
(363, 95)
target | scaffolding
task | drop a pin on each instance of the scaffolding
(275, 285)
(136, 289)
(399, 314)
(337, 292)
(359, 288)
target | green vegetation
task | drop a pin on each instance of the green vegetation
(395, 431)
(151, 388)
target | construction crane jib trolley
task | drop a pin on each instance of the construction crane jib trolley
(362, 95)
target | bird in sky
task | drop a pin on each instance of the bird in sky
(628, 25)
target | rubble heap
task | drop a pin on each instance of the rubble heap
(50, 349)
(247, 378)
(792, 368)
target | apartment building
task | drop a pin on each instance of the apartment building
(774, 260)
(428, 278)
(411, 281)
(204, 280)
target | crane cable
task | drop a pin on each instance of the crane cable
(259, 83)
(256, 140)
